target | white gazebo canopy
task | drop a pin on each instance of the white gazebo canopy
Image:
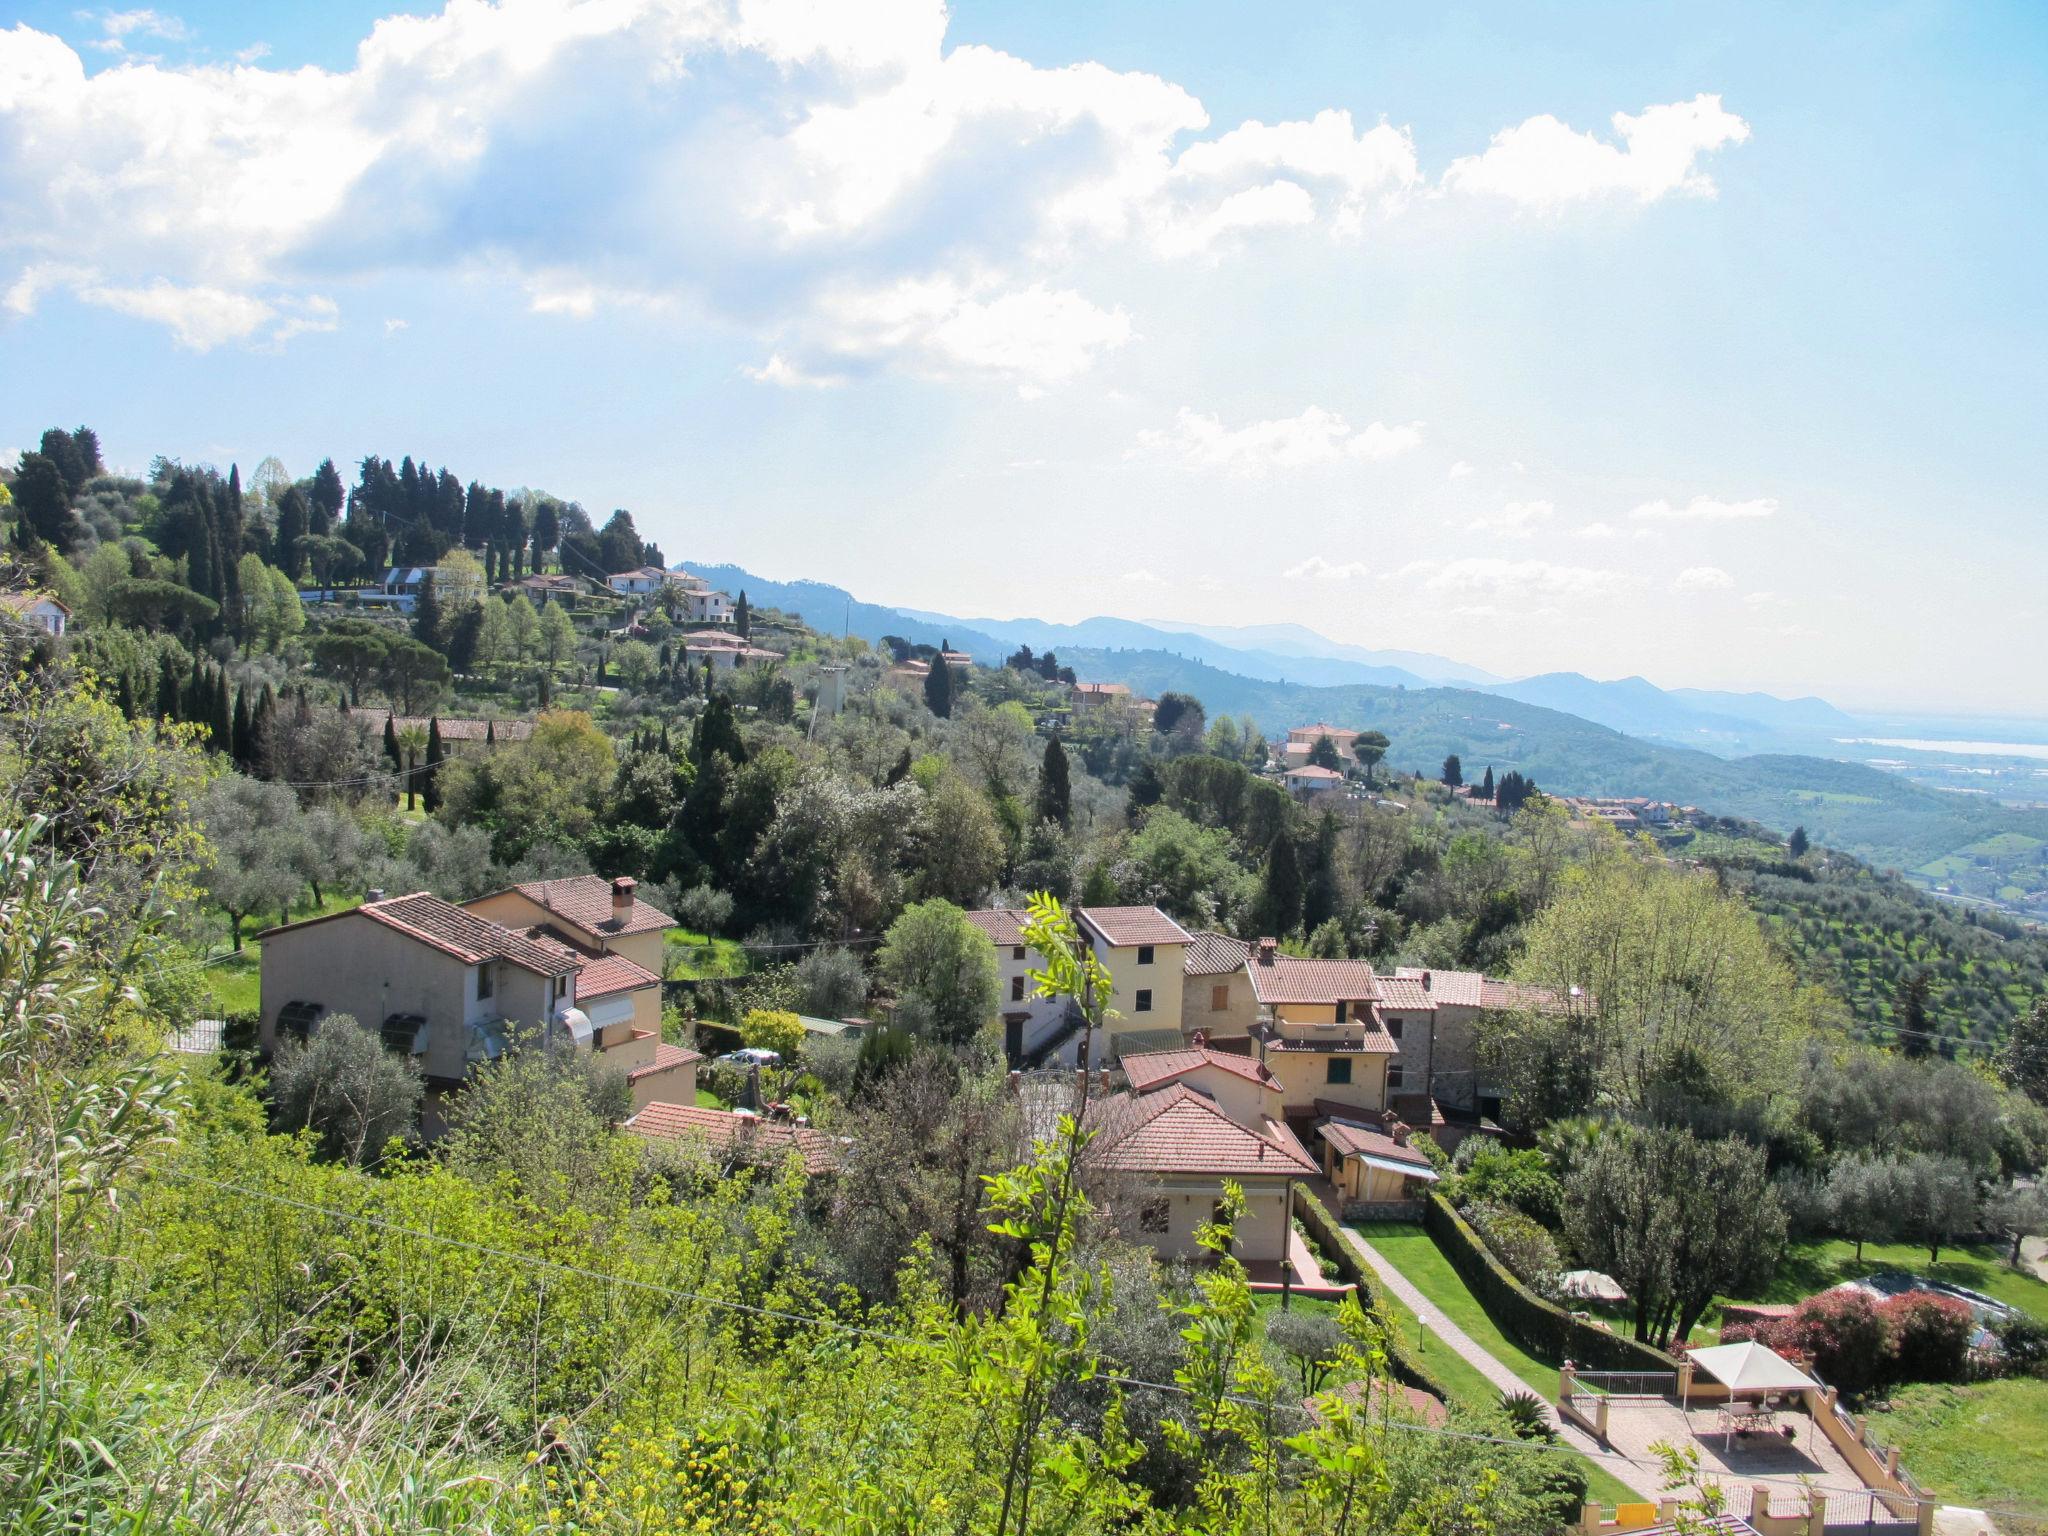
(1751, 1367)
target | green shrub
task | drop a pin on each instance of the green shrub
(1529, 1252)
(1544, 1329)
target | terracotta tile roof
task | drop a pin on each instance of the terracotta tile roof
(471, 939)
(666, 1056)
(24, 602)
(1457, 989)
(1213, 954)
(1320, 728)
(1355, 1038)
(1278, 978)
(1353, 1139)
(1101, 690)
(585, 901)
(1403, 993)
(1003, 925)
(1149, 1069)
(1511, 994)
(1176, 1130)
(747, 1137)
(461, 728)
(607, 974)
(1122, 927)
(1311, 773)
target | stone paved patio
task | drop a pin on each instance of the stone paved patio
(1635, 1424)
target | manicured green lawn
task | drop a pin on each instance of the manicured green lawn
(1984, 1446)
(695, 956)
(1815, 1266)
(1415, 1253)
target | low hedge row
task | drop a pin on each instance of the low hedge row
(1315, 1216)
(1543, 1328)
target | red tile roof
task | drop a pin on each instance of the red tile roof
(1358, 1140)
(471, 939)
(1399, 993)
(1456, 989)
(1213, 954)
(1354, 1038)
(1510, 994)
(585, 901)
(604, 975)
(666, 1056)
(1147, 1070)
(467, 728)
(1315, 774)
(1121, 927)
(747, 1137)
(1003, 925)
(1101, 690)
(1279, 978)
(1177, 1131)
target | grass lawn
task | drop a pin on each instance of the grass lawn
(1415, 1253)
(235, 976)
(1984, 1446)
(696, 956)
(1815, 1266)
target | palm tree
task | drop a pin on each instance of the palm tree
(412, 741)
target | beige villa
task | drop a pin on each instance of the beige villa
(570, 964)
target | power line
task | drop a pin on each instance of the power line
(880, 1336)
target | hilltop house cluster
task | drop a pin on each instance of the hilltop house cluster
(1237, 1059)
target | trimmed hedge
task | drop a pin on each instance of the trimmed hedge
(1315, 1216)
(1544, 1329)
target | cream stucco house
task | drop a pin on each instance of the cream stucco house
(1031, 1024)
(455, 987)
(1318, 1033)
(1143, 950)
(1216, 997)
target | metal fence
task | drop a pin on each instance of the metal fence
(1662, 1384)
(1870, 1510)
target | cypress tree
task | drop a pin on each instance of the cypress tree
(1454, 771)
(260, 723)
(426, 614)
(1486, 784)
(221, 714)
(1279, 905)
(1319, 893)
(435, 752)
(742, 616)
(124, 698)
(490, 733)
(244, 738)
(391, 743)
(938, 688)
(1055, 790)
(545, 692)
(167, 690)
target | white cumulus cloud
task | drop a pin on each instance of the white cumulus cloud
(1516, 520)
(1316, 436)
(833, 182)
(1459, 470)
(1316, 568)
(1542, 163)
(1494, 587)
(1705, 509)
(1702, 578)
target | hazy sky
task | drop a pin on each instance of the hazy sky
(1698, 341)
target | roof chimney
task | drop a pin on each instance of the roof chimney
(1267, 949)
(1425, 981)
(622, 896)
(375, 893)
(1199, 1038)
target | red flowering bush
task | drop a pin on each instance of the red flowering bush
(1930, 1335)
(1844, 1335)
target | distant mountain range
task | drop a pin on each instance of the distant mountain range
(1779, 761)
(1288, 654)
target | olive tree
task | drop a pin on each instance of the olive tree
(943, 968)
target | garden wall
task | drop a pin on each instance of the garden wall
(1315, 1216)
(1541, 1327)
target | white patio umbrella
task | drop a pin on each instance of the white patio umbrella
(1590, 1285)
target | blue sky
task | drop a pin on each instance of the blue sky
(1373, 318)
